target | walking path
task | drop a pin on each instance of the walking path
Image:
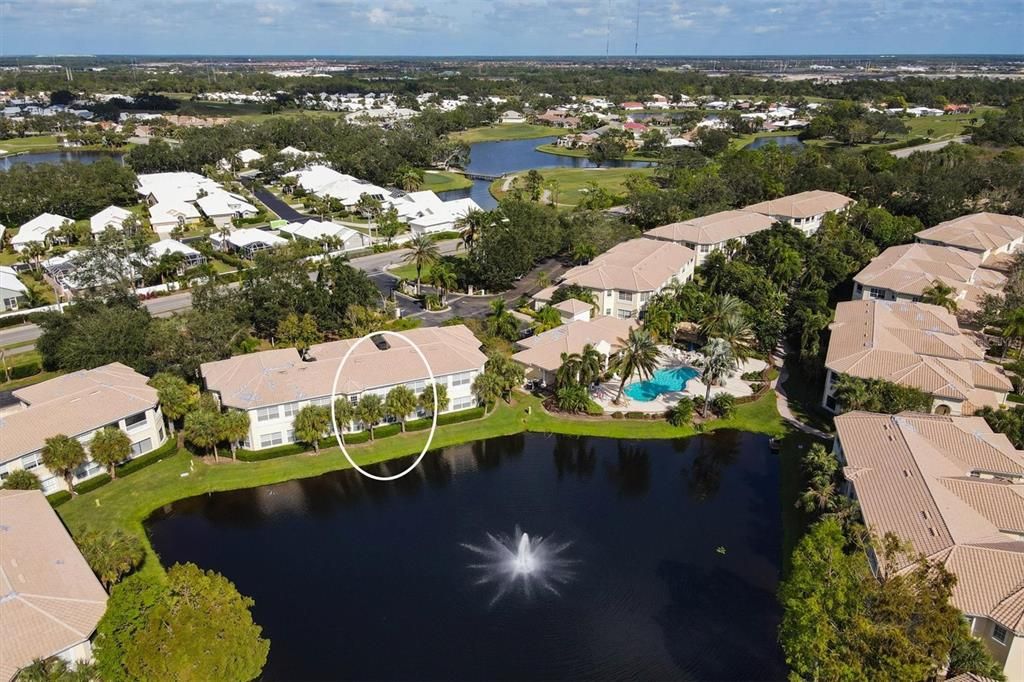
(782, 403)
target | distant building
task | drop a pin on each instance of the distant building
(805, 210)
(986, 234)
(110, 218)
(711, 233)
(512, 117)
(247, 242)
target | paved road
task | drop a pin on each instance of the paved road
(930, 147)
(282, 209)
(373, 265)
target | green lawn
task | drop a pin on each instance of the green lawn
(27, 144)
(573, 182)
(507, 131)
(791, 485)
(127, 502)
(442, 181)
(408, 270)
(583, 153)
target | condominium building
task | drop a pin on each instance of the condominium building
(711, 233)
(805, 210)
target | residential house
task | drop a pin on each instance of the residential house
(223, 207)
(711, 233)
(954, 490)
(541, 355)
(13, 292)
(632, 106)
(512, 117)
(39, 230)
(174, 187)
(559, 118)
(327, 182)
(904, 273)
(332, 236)
(272, 386)
(51, 601)
(110, 218)
(248, 156)
(916, 345)
(805, 210)
(426, 213)
(247, 242)
(986, 234)
(166, 216)
(77, 405)
(190, 258)
(573, 310)
(625, 277)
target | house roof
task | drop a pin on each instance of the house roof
(248, 155)
(802, 205)
(39, 227)
(73, 404)
(279, 376)
(175, 187)
(909, 269)
(713, 229)
(572, 306)
(634, 265)
(545, 350)
(912, 474)
(49, 598)
(916, 345)
(976, 232)
(9, 280)
(165, 246)
(250, 236)
(111, 216)
(169, 211)
(221, 203)
(316, 230)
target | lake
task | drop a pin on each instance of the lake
(780, 140)
(510, 156)
(671, 568)
(61, 156)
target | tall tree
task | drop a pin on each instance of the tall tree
(234, 428)
(109, 447)
(941, 294)
(110, 553)
(299, 332)
(310, 425)
(203, 429)
(369, 411)
(177, 397)
(717, 362)
(62, 455)
(400, 403)
(501, 322)
(639, 355)
(426, 399)
(344, 413)
(422, 252)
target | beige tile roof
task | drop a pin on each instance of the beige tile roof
(802, 205)
(572, 306)
(280, 376)
(977, 231)
(912, 476)
(634, 265)
(911, 268)
(913, 344)
(713, 229)
(73, 404)
(545, 350)
(49, 598)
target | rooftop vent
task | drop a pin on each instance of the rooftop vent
(380, 342)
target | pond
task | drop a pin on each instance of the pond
(59, 156)
(780, 140)
(510, 156)
(660, 561)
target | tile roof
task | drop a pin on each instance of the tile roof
(713, 229)
(634, 265)
(802, 205)
(911, 268)
(913, 344)
(912, 475)
(73, 404)
(49, 598)
(545, 350)
(279, 376)
(976, 232)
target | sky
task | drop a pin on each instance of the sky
(511, 27)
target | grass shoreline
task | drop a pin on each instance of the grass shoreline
(126, 503)
(500, 132)
(555, 150)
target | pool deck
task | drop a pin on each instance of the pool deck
(604, 394)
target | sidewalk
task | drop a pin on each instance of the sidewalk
(782, 403)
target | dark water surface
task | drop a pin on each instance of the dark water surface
(63, 156)
(780, 140)
(510, 156)
(675, 544)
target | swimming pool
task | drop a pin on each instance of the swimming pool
(666, 380)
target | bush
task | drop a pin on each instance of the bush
(698, 403)
(756, 387)
(443, 419)
(723, 405)
(1015, 398)
(594, 410)
(270, 453)
(636, 415)
(682, 413)
(58, 498)
(163, 452)
(617, 415)
(92, 484)
(15, 320)
(432, 302)
(21, 479)
(231, 259)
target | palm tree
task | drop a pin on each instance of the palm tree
(344, 413)
(940, 294)
(487, 387)
(501, 322)
(202, 429)
(591, 365)
(422, 253)
(411, 179)
(400, 403)
(572, 398)
(310, 425)
(723, 310)
(852, 393)
(109, 447)
(1013, 327)
(234, 427)
(681, 414)
(176, 396)
(36, 251)
(62, 455)
(426, 399)
(471, 226)
(737, 332)
(547, 318)
(639, 355)
(370, 410)
(569, 371)
(444, 279)
(718, 361)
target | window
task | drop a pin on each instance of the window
(321, 402)
(645, 296)
(135, 421)
(31, 461)
(876, 293)
(289, 436)
(417, 387)
(268, 440)
(626, 296)
(625, 314)
(291, 409)
(142, 446)
(462, 378)
(999, 634)
(705, 248)
(86, 470)
(265, 414)
(463, 403)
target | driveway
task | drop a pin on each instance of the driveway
(929, 147)
(278, 206)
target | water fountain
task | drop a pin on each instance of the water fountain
(519, 563)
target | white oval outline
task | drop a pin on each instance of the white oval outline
(334, 420)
